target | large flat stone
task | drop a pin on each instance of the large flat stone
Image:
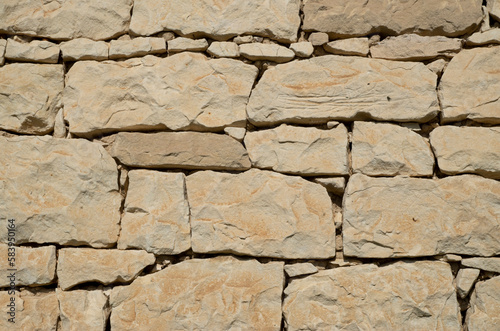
(340, 18)
(346, 88)
(260, 213)
(30, 97)
(202, 294)
(484, 313)
(267, 52)
(187, 150)
(136, 47)
(184, 91)
(402, 296)
(83, 309)
(68, 19)
(494, 8)
(470, 86)
(84, 49)
(61, 191)
(484, 263)
(41, 51)
(276, 19)
(463, 150)
(296, 150)
(396, 217)
(156, 214)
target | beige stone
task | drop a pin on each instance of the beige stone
(482, 38)
(467, 150)
(382, 149)
(350, 46)
(494, 8)
(300, 269)
(83, 310)
(156, 213)
(302, 49)
(276, 19)
(270, 52)
(62, 191)
(396, 217)
(186, 44)
(334, 87)
(36, 51)
(186, 150)
(470, 86)
(34, 266)
(84, 49)
(484, 263)
(62, 20)
(260, 213)
(222, 293)
(184, 91)
(3, 44)
(334, 185)
(484, 313)
(224, 49)
(30, 97)
(318, 38)
(82, 265)
(437, 66)
(415, 48)
(60, 130)
(236, 133)
(297, 150)
(401, 296)
(465, 280)
(243, 39)
(340, 18)
(136, 47)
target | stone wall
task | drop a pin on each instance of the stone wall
(250, 165)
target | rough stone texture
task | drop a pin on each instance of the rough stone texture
(156, 214)
(34, 266)
(36, 51)
(395, 217)
(3, 44)
(186, 150)
(60, 130)
(437, 66)
(297, 150)
(59, 191)
(482, 38)
(243, 39)
(300, 269)
(270, 52)
(494, 8)
(467, 150)
(381, 149)
(136, 47)
(351, 46)
(465, 280)
(333, 185)
(105, 266)
(84, 49)
(302, 49)
(277, 19)
(202, 294)
(83, 309)
(224, 49)
(415, 48)
(236, 133)
(470, 86)
(30, 97)
(184, 91)
(318, 38)
(489, 264)
(484, 313)
(340, 18)
(402, 296)
(62, 20)
(187, 44)
(260, 213)
(344, 88)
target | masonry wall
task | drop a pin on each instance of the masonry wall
(250, 165)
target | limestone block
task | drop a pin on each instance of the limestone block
(186, 44)
(269, 52)
(300, 269)
(302, 49)
(83, 309)
(482, 38)
(494, 8)
(136, 47)
(224, 49)
(484, 263)
(84, 49)
(36, 51)
(484, 313)
(350, 46)
(235, 132)
(334, 185)
(465, 280)
(318, 38)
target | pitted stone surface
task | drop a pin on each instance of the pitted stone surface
(484, 313)
(83, 309)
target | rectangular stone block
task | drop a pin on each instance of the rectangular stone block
(83, 309)
(136, 47)
(84, 49)
(36, 51)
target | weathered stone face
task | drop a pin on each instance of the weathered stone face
(409, 295)
(84, 49)
(35, 51)
(208, 294)
(59, 191)
(184, 91)
(277, 19)
(350, 46)
(396, 217)
(269, 52)
(346, 88)
(484, 313)
(83, 309)
(465, 280)
(136, 47)
(260, 213)
(494, 8)
(485, 263)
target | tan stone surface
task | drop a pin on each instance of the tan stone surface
(3, 44)
(395, 217)
(494, 8)
(224, 49)
(82, 265)
(350, 46)
(342, 18)
(415, 48)
(344, 88)
(482, 38)
(300, 269)
(465, 280)
(260, 213)
(60, 130)
(437, 66)
(83, 310)
(484, 263)
(334, 185)
(484, 313)
(298, 150)
(277, 19)
(318, 38)
(67, 19)
(302, 49)
(467, 150)
(470, 86)
(187, 44)
(270, 52)
(30, 97)
(84, 49)
(402, 296)
(382, 149)
(202, 294)
(36, 51)
(136, 47)
(156, 213)
(186, 150)
(235, 132)
(33, 266)
(59, 191)
(184, 91)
